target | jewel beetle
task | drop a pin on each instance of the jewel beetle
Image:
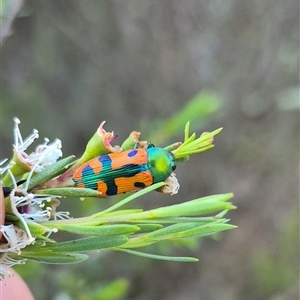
(127, 171)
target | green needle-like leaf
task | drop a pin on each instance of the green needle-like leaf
(70, 192)
(191, 208)
(90, 243)
(51, 172)
(102, 230)
(148, 227)
(187, 230)
(55, 257)
(176, 231)
(159, 257)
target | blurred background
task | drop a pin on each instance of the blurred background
(151, 66)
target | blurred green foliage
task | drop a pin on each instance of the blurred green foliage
(113, 290)
(276, 270)
(199, 109)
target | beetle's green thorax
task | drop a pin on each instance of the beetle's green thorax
(161, 163)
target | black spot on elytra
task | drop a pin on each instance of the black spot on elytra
(112, 188)
(139, 185)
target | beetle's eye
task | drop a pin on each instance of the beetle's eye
(173, 167)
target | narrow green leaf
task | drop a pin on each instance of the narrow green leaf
(187, 231)
(169, 231)
(51, 171)
(139, 242)
(171, 220)
(159, 257)
(221, 214)
(187, 142)
(148, 227)
(102, 230)
(119, 212)
(176, 231)
(186, 131)
(70, 192)
(217, 197)
(188, 153)
(191, 208)
(43, 239)
(56, 257)
(202, 231)
(215, 132)
(90, 243)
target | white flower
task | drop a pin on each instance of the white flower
(45, 154)
(16, 239)
(27, 207)
(19, 143)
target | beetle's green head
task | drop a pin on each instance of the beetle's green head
(161, 163)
